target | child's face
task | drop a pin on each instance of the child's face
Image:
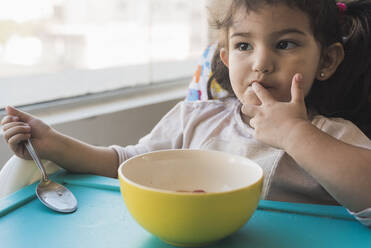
(269, 46)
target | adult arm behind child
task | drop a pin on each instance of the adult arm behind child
(70, 153)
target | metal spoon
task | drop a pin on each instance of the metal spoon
(51, 194)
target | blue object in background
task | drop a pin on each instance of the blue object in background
(193, 95)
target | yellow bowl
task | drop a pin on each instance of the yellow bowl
(150, 184)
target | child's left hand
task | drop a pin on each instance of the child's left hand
(274, 121)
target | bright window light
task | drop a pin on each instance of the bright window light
(48, 43)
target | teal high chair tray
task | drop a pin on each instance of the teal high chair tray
(102, 220)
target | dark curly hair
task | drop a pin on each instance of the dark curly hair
(347, 94)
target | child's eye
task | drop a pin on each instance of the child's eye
(286, 44)
(243, 46)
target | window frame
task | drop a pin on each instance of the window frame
(135, 76)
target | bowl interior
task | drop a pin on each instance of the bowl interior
(189, 170)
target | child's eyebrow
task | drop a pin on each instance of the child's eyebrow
(243, 34)
(289, 31)
(276, 33)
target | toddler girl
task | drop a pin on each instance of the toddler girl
(299, 74)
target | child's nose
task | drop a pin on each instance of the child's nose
(263, 62)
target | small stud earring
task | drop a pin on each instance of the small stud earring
(322, 74)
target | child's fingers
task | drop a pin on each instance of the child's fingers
(252, 123)
(9, 118)
(263, 94)
(13, 124)
(15, 130)
(249, 110)
(18, 138)
(249, 97)
(297, 95)
(16, 112)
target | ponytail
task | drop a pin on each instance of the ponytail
(358, 47)
(347, 94)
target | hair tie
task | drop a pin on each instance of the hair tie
(342, 7)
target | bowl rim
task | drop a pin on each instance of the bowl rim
(127, 180)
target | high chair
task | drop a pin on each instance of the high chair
(198, 86)
(18, 173)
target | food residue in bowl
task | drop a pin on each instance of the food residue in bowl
(194, 191)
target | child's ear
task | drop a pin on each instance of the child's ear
(330, 60)
(224, 56)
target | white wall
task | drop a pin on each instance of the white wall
(121, 128)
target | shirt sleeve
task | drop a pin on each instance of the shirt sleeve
(349, 133)
(343, 130)
(167, 134)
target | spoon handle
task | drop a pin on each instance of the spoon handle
(34, 156)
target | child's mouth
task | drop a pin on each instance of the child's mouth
(261, 83)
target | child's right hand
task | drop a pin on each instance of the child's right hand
(19, 126)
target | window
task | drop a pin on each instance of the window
(56, 49)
